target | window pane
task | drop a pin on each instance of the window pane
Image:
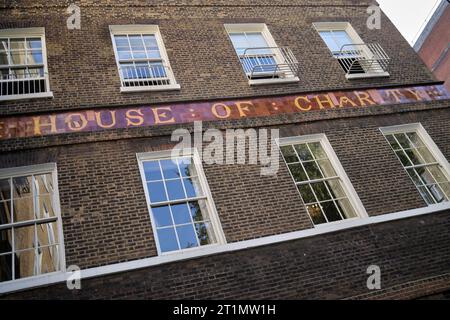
(121, 41)
(152, 171)
(312, 170)
(22, 187)
(187, 167)
(445, 187)
(329, 40)
(316, 214)
(150, 42)
(331, 211)
(306, 193)
(346, 208)
(5, 241)
(187, 236)
(181, 213)
(167, 239)
(327, 168)
(204, 233)
(26, 264)
(437, 193)
(18, 57)
(5, 267)
(23, 209)
(403, 140)
(425, 175)
(17, 44)
(317, 150)
(34, 43)
(321, 191)
(199, 210)
(403, 158)
(342, 39)
(289, 154)
(414, 177)
(3, 57)
(426, 195)
(335, 188)
(239, 40)
(5, 189)
(175, 189)
(426, 155)
(393, 142)
(303, 152)
(43, 183)
(415, 139)
(24, 238)
(437, 173)
(162, 216)
(256, 40)
(192, 186)
(136, 43)
(156, 191)
(414, 156)
(124, 55)
(49, 263)
(170, 169)
(297, 172)
(47, 234)
(34, 57)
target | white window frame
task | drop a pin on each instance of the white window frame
(37, 170)
(427, 140)
(354, 36)
(30, 33)
(264, 30)
(214, 217)
(136, 29)
(346, 184)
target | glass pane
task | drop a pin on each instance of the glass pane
(403, 140)
(121, 41)
(321, 191)
(34, 57)
(156, 191)
(414, 177)
(327, 168)
(414, 156)
(162, 216)
(17, 44)
(50, 262)
(445, 188)
(43, 183)
(329, 40)
(22, 187)
(5, 212)
(317, 150)
(34, 43)
(426, 155)
(346, 208)
(5, 189)
(4, 44)
(426, 195)
(312, 170)
(181, 213)
(205, 233)
(152, 171)
(425, 175)
(18, 57)
(24, 237)
(187, 167)
(5, 267)
(175, 189)
(393, 142)
(303, 152)
(23, 209)
(437, 193)
(139, 54)
(437, 173)
(170, 169)
(306, 193)
(167, 239)
(331, 211)
(297, 172)
(187, 236)
(192, 186)
(5, 241)
(256, 40)
(136, 43)
(3, 58)
(336, 189)
(199, 210)
(239, 40)
(342, 38)
(26, 264)
(150, 42)
(415, 139)
(289, 154)
(125, 55)
(47, 234)
(403, 158)
(153, 54)
(316, 214)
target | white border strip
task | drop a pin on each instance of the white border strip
(52, 278)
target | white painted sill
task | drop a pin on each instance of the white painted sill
(48, 94)
(62, 276)
(256, 82)
(367, 75)
(167, 87)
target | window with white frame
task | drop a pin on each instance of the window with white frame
(30, 224)
(259, 55)
(357, 59)
(422, 160)
(23, 64)
(323, 185)
(182, 211)
(141, 58)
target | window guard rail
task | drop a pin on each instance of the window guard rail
(363, 58)
(153, 73)
(22, 84)
(269, 62)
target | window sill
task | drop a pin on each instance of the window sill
(27, 96)
(256, 82)
(367, 75)
(167, 87)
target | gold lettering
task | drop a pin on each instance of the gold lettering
(345, 100)
(327, 100)
(216, 114)
(1, 128)
(299, 106)
(415, 93)
(98, 118)
(241, 108)
(364, 97)
(163, 114)
(38, 125)
(75, 125)
(396, 93)
(139, 117)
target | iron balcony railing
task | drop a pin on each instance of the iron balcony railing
(363, 58)
(145, 74)
(269, 63)
(23, 83)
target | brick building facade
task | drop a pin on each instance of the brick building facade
(84, 141)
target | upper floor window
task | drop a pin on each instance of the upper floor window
(142, 59)
(323, 185)
(30, 223)
(358, 59)
(182, 212)
(23, 64)
(422, 160)
(262, 60)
